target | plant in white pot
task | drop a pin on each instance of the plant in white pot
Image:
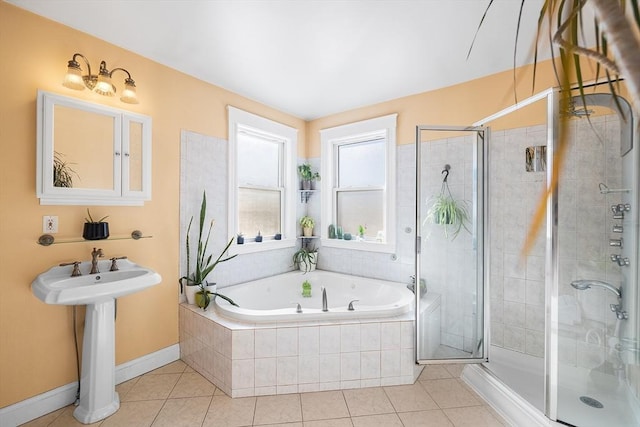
(307, 223)
(306, 259)
(204, 264)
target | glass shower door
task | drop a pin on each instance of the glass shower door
(449, 285)
(597, 256)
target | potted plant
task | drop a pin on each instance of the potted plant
(307, 176)
(258, 237)
(240, 239)
(95, 230)
(361, 230)
(307, 224)
(204, 263)
(305, 259)
(446, 211)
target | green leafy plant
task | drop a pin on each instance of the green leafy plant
(89, 219)
(305, 258)
(62, 172)
(446, 211)
(307, 174)
(307, 222)
(204, 263)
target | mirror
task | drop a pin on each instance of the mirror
(89, 154)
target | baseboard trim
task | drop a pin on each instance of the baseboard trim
(39, 405)
(513, 408)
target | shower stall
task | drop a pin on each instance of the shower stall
(550, 332)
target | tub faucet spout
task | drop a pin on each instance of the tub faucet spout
(324, 299)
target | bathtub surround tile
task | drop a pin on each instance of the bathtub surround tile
(390, 363)
(389, 335)
(370, 336)
(309, 369)
(350, 366)
(287, 371)
(265, 343)
(309, 340)
(370, 364)
(287, 341)
(329, 339)
(265, 372)
(242, 344)
(350, 338)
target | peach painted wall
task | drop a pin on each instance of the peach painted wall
(36, 343)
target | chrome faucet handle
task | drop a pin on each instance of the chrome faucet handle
(76, 268)
(351, 305)
(114, 265)
(298, 307)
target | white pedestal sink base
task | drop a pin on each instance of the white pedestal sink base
(98, 397)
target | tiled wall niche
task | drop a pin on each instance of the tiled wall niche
(253, 360)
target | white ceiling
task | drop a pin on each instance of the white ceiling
(310, 58)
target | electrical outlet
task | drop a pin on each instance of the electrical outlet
(49, 224)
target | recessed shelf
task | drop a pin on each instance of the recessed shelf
(48, 239)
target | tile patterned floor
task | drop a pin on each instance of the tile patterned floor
(177, 396)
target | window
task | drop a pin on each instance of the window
(359, 192)
(262, 157)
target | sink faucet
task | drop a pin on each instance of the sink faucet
(324, 299)
(95, 253)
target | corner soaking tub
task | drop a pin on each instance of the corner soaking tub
(275, 298)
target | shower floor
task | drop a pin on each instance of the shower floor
(523, 374)
(446, 352)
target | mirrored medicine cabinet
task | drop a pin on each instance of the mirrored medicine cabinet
(90, 154)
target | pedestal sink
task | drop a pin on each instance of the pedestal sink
(98, 397)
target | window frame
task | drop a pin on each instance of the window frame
(240, 120)
(331, 139)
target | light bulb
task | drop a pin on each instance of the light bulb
(73, 78)
(129, 94)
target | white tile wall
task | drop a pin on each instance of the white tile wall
(291, 358)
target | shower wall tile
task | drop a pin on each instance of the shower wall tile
(514, 338)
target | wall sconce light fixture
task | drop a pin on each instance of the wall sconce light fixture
(101, 83)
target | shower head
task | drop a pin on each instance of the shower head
(581, 285)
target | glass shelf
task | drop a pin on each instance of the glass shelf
(48, 239)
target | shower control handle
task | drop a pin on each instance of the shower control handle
(615, 242)
(620, 260)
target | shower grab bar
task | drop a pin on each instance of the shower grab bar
(606, 190)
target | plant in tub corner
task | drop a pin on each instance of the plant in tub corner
(305, 258)
(95, 230)
(204, 263)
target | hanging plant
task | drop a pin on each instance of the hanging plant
(444, 210)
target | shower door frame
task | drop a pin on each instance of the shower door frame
(480, 159)
(551, 356)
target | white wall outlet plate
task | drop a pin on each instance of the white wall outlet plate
(49, 224)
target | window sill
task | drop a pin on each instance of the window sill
(357, 245)
(267, 245)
